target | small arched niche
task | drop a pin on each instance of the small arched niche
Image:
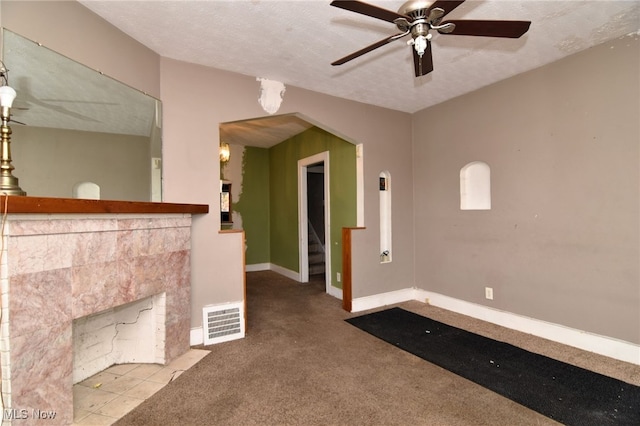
(86, 190)
(475, 186)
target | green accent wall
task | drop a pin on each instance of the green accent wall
(268, 201)
(253, 204)
(283, 188)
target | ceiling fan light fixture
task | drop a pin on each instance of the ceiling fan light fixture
(418, 18)
(420, 43)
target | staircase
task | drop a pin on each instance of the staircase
(316, 253)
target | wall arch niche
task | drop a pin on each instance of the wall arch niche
(475, 186)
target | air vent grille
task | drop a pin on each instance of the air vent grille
(222, 323)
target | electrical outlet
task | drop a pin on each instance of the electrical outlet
(338, 276)
(488, 293)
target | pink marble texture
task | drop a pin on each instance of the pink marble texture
(63, 269)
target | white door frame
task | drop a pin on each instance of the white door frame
(303, 218)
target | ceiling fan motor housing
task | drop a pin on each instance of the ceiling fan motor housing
(420, 29)
(417, 9)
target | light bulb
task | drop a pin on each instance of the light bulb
(224, 152)
(7, 95)
(420, 44)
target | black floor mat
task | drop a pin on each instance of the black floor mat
(563, 392)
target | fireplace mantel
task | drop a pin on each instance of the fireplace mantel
(45, 205)
(64, 259)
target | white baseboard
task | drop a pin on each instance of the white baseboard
(383, 299)
(286, 272)
(603, 345)
(258, 267)
(275, 268)
(335, 292)
(197, 336)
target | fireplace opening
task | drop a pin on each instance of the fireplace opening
(130, 333)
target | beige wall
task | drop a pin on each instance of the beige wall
(69, 28)
(195, 100)
(561, 242)
(118, 163)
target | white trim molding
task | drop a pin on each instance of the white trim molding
(332, 291)
(275, 268)
(603, 345)
(382, 299)
(258, 267)
(303, 216)
(196, 336)
(335, 292)
(286, 272)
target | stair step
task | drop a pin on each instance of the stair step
(316, 258)
(316, 269)
(315, 248)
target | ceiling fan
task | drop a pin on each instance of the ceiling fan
(417, 18)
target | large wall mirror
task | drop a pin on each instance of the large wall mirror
(79, 126)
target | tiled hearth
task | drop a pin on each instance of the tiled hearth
(57, 268)
(107, 396)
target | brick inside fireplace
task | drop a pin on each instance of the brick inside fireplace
(131, 333)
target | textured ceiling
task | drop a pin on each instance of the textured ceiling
(263, 131)
(294, 42)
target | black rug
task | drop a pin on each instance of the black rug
(563, 392)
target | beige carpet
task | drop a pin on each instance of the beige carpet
(302, 364)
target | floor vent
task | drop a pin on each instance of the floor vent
(223, 323)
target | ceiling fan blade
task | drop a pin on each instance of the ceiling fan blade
(423, 65)
(509, 29)
(369, 10)
(367, 49)
(446, 5)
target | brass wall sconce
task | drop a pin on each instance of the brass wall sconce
(225, 153)
(8, 182)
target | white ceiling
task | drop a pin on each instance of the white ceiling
(294, 42)
(263, 132)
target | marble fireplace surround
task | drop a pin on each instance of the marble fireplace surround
(64, 259)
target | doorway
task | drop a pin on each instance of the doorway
(314, 218)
